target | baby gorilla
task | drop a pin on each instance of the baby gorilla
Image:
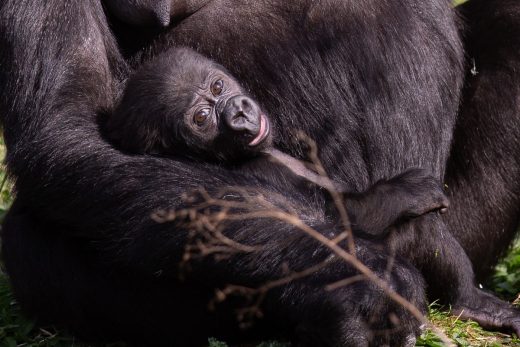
(183, 104)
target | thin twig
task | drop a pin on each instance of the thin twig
(337, 197)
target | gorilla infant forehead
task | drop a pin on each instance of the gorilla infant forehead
(190, 75)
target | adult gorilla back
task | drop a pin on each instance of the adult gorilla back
(357, 77)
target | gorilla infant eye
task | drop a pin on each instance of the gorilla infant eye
(201, 116)
(217, 87)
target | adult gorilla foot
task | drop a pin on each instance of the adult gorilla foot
(490, 312)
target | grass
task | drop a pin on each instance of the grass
(506, 281)
(458, 2)
(16, 331)
(463, 333)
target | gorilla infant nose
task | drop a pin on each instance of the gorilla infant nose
(242, 114)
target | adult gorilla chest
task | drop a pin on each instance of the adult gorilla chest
(342, 72)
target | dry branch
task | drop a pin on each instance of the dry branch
(206, 220)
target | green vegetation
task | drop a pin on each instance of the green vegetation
(18, 331)
(463, 333)
(458, 2)
(5, 188)
(506, 281)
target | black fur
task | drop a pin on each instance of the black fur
(142, 12)
(386, 130)
(483, 176)
(155, 116)
(375, 84)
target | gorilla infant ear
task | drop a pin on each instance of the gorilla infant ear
(182, 103)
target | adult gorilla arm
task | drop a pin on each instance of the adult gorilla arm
(59, 66)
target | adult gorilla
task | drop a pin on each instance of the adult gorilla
(81, 232)
(356, 77)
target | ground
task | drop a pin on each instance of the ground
(16, 331)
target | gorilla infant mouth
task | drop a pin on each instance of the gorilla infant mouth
(263, 132)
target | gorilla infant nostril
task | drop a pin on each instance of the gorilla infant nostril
(246, 104)
(239, 116)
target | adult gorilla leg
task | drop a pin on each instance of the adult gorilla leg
(428, 244)
(483, 175)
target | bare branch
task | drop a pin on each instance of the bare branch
(207, 218)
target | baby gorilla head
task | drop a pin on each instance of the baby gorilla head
(185, 104)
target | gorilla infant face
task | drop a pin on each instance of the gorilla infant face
(220, 112)
(183, 103)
